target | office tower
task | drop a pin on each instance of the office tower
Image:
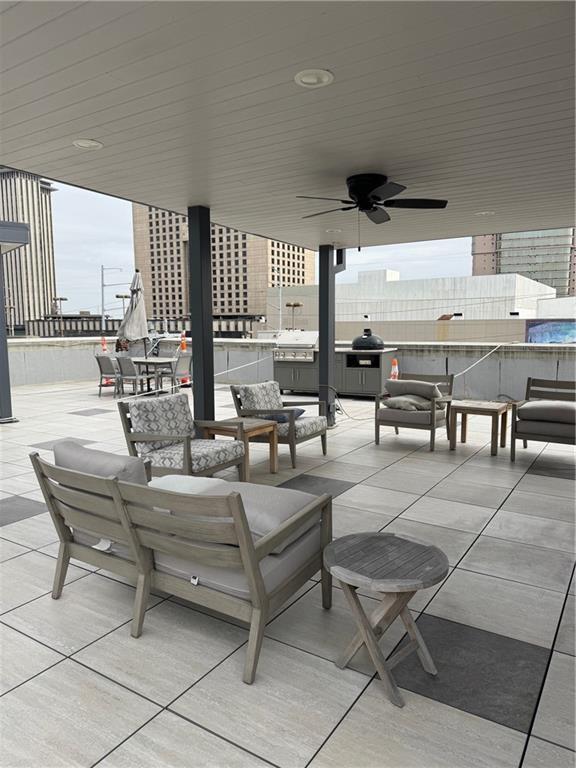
(547, 256)
(243, 266)
(29, 272)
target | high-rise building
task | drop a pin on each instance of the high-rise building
(243, 266)
(547, 255)
(29, 272)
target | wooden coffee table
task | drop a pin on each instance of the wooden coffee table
(252, 428)
(479, 408)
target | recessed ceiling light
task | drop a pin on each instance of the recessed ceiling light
(314, 78)
(333, 231)
(485, 213)
(87, 144)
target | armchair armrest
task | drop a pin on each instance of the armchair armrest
(268, 543)
(150, 437)
(235, 426)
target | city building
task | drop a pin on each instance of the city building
(243, 266)
(546, 255)
(29, 272)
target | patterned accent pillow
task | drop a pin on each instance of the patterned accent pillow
(281, 417)
(262, 397)
(168, 415)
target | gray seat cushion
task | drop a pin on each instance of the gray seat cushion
(205, 454)
(561, 411)
(550, 429)
(305, 426)
(71, 455)
(275, 568)
(266, 507)
(398, 418)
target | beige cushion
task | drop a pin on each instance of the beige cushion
(561, 411)
(266, 507)
(398, 418)
(71, 455)
(275, 568)
(410, 403)
(544, 429)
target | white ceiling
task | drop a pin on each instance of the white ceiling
(196, 104)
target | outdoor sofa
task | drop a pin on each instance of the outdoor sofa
(547, 414)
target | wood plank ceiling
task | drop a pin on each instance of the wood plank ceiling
(195, 103)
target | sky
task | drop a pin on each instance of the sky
(91, 230)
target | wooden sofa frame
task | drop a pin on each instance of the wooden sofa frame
(541, 389)
(128, 515)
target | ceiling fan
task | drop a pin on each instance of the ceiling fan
(370, 193)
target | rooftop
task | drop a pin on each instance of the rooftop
(78, 690)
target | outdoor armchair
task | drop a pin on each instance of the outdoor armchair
(429, 420)
(163, 430)
(264, 401)
(109, 372)
(130, 375)
(235, 548)
(547, 414)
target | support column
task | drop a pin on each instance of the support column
(200, 294)
(326, 327)
(5, 397)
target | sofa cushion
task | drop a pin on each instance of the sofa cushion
(169, 415)
(562, 411)
(204, 454)
(410, 403)
(304, 427)
(545, 429)
(71, 455)
(397, 417)
(264, 396)
(266, 507)
(426, 389)
(274, 568)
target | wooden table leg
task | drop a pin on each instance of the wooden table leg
(503, 427)
(494, 441)
(371, 643)
(246, 459)
(273, 441)
(453, 427)
(463, 427)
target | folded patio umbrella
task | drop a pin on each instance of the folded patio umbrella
(134, 326)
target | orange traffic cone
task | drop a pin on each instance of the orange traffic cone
(183, 345)
(104, 344)
(394, 371)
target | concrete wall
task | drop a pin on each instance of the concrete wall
(503, 374)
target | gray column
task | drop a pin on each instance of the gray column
(200, 293)
(5, 397)
(326, 327)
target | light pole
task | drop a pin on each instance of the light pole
(123, 296)
(294, 305)
(276, 270)
(57, 301)
(104, 285)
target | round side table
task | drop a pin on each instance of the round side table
(395, 567)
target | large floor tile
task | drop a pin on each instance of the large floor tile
(566, 639)
(340, 470)
(542, 754)
(554, 486)
(87, 610)
(308, 626)
(20, 484)
(507, 608)
(420, 466)
(21, 658)
(541, 567)
(423, 734)
(293, 705)
(171, 741)
(33, 532)
(555, 717)
(451, 514)
(347, 520)
(177, 646)
(311, 483)
(481, 672)
(541, 505)
(15, 508)
(470, 493)
(501, 478)
(453, 543)
(526, 529)
(368, 457)
(397, 479)
(377, 499)
(28, 577)
(8, 550)
(67, 716)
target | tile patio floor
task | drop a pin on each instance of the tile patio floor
(77, 690)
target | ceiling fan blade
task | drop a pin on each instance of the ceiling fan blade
(332, 210)
(333, 199)
(416, 202)
(378, 215)
(390, 189)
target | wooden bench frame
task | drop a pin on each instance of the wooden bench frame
(128, 515)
